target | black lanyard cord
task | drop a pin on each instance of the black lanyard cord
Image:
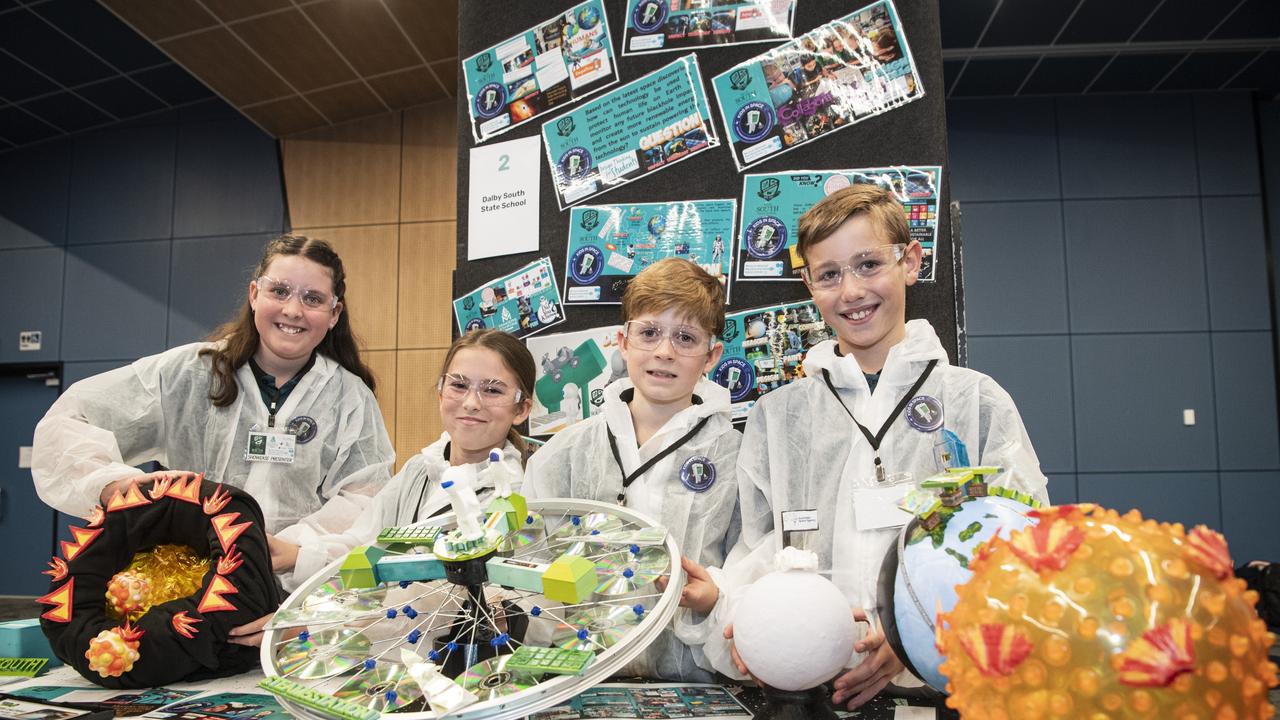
(628, 479)
(874, 440)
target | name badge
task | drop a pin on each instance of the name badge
(799, 520)
(878, 507)
(270, 447)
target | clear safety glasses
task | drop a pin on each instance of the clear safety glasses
(685, 340)
(865, 265)
(492, 393)
(282, 290)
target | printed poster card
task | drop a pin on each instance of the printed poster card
(545, 68)
(644, 126)
(523, 303)
(502, 198)
(764, 349)
(610, 244)
(772, 204)
(658, 700)
(223, 706)
(836, 75)
(663, 25)
(572, 372)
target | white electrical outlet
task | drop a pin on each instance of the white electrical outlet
(1189, 417)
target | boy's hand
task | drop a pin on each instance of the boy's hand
(283, 554)
(737, 659)
(251, 633)
(700, 591)
(863, 682)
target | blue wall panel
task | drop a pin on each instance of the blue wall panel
(33, 196)
(1234, 245)
(1127, 146)
(1062, 489)
(1186, 497)
(1248, 435)
(1130, 391)
(122, 184)
(1226, 144)
(210, 280)
(227, 182)
(32, 279)
(1249, 515)
(115, 300)
(74, 372)
(1003, 149)
(1015, 268)
(1036, 372)
(1135, 265)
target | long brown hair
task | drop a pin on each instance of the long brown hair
(514, 355)
(237, 339)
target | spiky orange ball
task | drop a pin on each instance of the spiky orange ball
(128, 595)
(110, 655)
(1092, 614)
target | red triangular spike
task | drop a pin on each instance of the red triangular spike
(61, 599)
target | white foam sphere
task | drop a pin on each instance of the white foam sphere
(794, 629)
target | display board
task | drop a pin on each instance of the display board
(911, 135)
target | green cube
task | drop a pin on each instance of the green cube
(570, 579)
(359, 569)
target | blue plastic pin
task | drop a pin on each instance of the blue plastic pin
(404, 584)
(635, 549)
(368, 664)
(451, 646)
(391, 613)
(410, 612)
(582, 634)
(575, 520)
(528, 519)
(595, 532)
(414, 636)
(628, 573)
(535, 611)
(446, 484)
(391, 696)
(433, 656)
(638, 609)
(304, 636)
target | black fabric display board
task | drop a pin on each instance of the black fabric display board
(914, 134)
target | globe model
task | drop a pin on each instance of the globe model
(588, 18)
(916, 584)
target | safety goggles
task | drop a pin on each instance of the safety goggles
(864, 265)
(685, 340)
(492, 393)
(282, 291)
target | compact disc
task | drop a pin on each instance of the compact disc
(531, 531)
(333, 597)
(323, 654)
(575, 525)
(369, 688)
(605, 625)
(625, 572)
(490, 680)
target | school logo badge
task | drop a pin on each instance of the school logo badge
(739, 79)
(597, 397)
(770, 188)
(753, 121)
(698, 473)
(303, 428)
(649, 16)
(491, 100)
(564, 126)
(590, 219)
(730, 330)
(484, 62)
(469, 304)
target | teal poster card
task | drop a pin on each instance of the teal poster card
(838, 74)
(544, 68)
(644, 126)
(772, 204)
(661, 25)
(610, 244)
(764, 349)
(523, 303)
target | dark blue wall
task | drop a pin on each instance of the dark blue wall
(1116, 274)
(134, 239)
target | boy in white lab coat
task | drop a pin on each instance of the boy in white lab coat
(663, 443)
(869, 413)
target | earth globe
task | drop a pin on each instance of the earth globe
(931, 558)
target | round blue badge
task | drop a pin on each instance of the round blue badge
(586, 263)
(698, 473)
(474, 324)
(765, 237)
(753, 121)
(303, 428)
(574, 163)
(491, 100)
(924, 413)
(648, 15)
(737, 376)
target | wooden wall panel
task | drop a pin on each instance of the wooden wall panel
(427, 260)
(417, 404)
(430, 163)
(383, 365)
(345, 175)
(369, 256)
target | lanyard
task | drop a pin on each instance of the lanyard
(875, 440)
(628, 479)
